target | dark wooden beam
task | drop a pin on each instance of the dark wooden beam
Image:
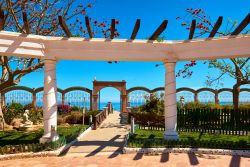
(26, 23)
(88, 27)
(64, 26)
(112, 30)
(1, 19)
(192, 29)
(136, 29)
(242, 25)
(216, 27)
(159, 30)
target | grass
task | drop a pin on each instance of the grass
(153, 138)
(150, 134)
(14, 137)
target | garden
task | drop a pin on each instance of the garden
(72, 121)
(198, 125)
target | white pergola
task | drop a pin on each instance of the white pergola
(52, 49)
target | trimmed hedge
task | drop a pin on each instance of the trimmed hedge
(35, 147)
(161, 143)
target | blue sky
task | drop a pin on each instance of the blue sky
(151, 13)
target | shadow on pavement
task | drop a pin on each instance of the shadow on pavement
(138, 156)
(235, 161)
(164, 157)
(193, 159)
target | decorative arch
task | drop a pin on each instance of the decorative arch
(119, 85)
(79, 97)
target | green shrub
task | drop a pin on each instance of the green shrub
(29, 107)
(35, 116)
(73, 119)
(75, 108)
(153, 104)
(245, 106)
(15, 110)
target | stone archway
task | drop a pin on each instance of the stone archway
(119, 85)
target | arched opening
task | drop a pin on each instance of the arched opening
(109, 94)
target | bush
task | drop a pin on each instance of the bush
(35, 116)
(153, 104)
(15, 110)
(75, 108)
(73, 119)
(63, 108)
(244, 106)
(29, 107)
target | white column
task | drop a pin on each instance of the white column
(49, 102)
(170, 102)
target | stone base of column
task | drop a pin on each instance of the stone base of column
(124, 118)
(47, 139)
(171, 135)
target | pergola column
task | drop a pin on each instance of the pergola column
(95, 97)
(49, 102)
(170, 102)
(124, 103)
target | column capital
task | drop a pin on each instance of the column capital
(169, 65)
(50, 61)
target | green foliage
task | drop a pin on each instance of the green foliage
(29, 107)
(149, 138)
(153, 104)
(75, 117)
(35, 147)
(35, 116)
(75, 108)
(15, 110)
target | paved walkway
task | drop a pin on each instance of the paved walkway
(109, 137)
(131, 160)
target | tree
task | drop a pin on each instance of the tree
(40, 17)
(236, 68)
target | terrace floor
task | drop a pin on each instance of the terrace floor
(106, 159)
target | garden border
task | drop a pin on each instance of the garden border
(130, 150)
(57, 152)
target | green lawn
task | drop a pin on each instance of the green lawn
(150, 134)
(153, 138)
(18, 137)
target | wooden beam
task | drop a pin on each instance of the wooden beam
(216, 27)
(1, 19)
(64, 26)
(112, 30)
(136, 29)
(159, 30)
(242, 25)
(88, 27)
(192, 29)
(26, 23)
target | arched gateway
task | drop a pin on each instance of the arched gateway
(121, 86)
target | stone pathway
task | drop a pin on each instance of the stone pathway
(109, 137)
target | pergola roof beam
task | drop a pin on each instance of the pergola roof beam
(159, 30)
(88, 27)
(112, 29)
(216, 27)
(192, 29)
(26, 23)
(64, 26)
(136, 29)
(242, 25)
(1, 19)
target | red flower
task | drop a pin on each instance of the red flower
(117, 22)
